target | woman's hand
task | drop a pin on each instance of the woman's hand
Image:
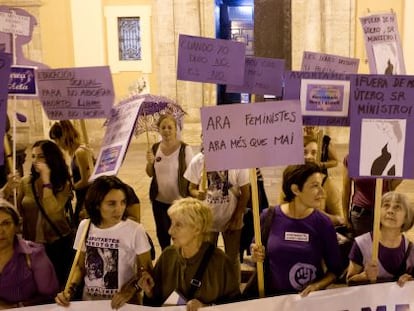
(122, 297)
(308, 289)
(371, 270)
(403, 279)
(146, 282)
(194, 305)
(62, 299)
(43, 170)
(258, 252)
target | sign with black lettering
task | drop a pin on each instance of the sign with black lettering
(76, 93)
(322, 62)
(261, 76)
(383, 44)
(210, 60)
(382, 118)
(252, 135)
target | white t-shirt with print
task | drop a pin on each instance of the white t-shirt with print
(110, 256)
(223, 189)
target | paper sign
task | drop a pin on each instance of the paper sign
(383, 44)
(22, 81)
(116, 140)
(324, 96)
(76, 93)
(5, 62)
(210, 60)
(382, 120)
(321, 62)
(252, 135)
(15, 24)
(261, 76)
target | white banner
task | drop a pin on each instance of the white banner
(377, 297)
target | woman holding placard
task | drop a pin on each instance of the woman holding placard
(300, 238)
(112, 248)
(395, 253)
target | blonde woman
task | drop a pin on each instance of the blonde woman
(176, 268)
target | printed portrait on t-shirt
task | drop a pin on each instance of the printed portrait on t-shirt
(101, 265)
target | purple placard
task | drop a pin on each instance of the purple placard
(383, 44)
(76, 93)
(321, 62)
(254, 135)
(261, 76)
(5, 62)
(382, 117)
(210, 60)
(119, 128)
(22, 81)
(295, 84)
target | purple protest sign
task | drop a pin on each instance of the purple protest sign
(321, 62)
(382, 117)
(383, 44)
(261, 76)
(119, 128)
(253, 135)
(76, 93)
(210, 60)
(5, 62)
(317, 90)
(22, 81)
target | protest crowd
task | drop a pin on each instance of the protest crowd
(71, 227)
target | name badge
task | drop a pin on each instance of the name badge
(295, 236)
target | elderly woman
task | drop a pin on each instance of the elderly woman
(27, 276)
(395, 252)
(301, 238)
(177, 271)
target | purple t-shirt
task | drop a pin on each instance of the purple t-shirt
(390, 258)
(296, 249)
(19, 282)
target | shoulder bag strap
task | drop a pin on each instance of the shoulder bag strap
(196, 280)
(44, 214)
(270, 215)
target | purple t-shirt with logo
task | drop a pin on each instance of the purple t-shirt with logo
(296, 249)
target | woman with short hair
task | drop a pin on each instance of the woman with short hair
(178, 265)
(114, 250)
(395, 253)
(302, 250)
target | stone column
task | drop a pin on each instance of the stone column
(172, 18)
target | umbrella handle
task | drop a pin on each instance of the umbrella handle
(146, 130)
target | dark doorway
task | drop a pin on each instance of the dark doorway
(234, 21)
